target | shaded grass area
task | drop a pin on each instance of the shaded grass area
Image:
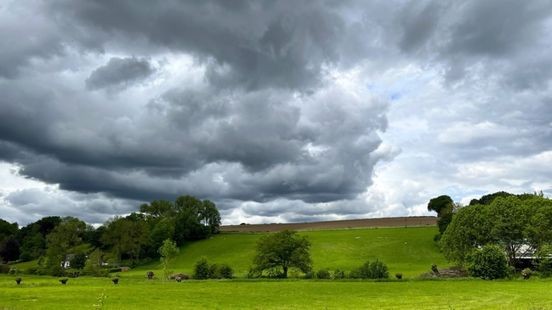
(81, 293)
(410, 251)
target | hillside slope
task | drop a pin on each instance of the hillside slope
(410, 251)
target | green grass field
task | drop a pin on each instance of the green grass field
(132, 293)
(410, 251)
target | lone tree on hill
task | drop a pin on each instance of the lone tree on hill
(281, 251)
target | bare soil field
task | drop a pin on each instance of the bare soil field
(359, 223)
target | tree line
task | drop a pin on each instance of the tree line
(56, 241)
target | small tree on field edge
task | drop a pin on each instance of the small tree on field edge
(168, 251)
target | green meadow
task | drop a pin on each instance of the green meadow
(137, 293)
(410, 251)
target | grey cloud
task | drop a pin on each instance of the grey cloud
(259, 143)
(497, 28)
(419, 20)
(119, 73)
(36, 203)
(274, 121)
(483, 38)
(262, 44)
(22, 43)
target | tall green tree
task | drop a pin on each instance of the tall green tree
(444, 206)
(9, 245)
(539, 232)
(281, 251)
(63, 237)
(9, 249)
(161, 230)
(32, 237)
(127, 236)
(93, 264)
(7, 229)
(195, 219)
(211, 216)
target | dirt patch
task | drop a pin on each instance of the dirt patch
(361, 223)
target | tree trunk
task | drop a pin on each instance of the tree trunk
(285, 271)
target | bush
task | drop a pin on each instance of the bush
(373, 270)
(323, 274)
(488, 262)
(526, 273)
(338, 274)
(309, 275)
(201, 269)
(214, 272)
(398, 276)
(226, 272)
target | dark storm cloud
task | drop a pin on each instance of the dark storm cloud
(497, 27)
(23, 42)
(257, 144)
(255, 102)
(486, 33)
(119, 73)
(419, 20)
(282, 43)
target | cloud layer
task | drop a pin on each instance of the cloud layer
(278, 111)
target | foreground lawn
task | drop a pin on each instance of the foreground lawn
(132, 293)
(410, 251)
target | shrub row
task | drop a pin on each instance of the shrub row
(369, 270)
(203, 270)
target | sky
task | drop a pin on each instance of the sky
(278, 111)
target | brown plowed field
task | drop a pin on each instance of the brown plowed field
(375, 222)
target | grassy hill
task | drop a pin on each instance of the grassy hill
(410, 251)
